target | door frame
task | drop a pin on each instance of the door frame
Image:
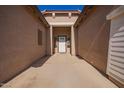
(65, 44)
(70, 25)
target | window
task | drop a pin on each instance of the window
(39, 37)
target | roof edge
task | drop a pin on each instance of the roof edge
(40, 15)
(82, 14)
(59, 11)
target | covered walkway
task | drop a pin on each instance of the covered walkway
(60, 70)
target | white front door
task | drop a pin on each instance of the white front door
(62, 44)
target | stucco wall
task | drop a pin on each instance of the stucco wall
(18, 40)
(48, 42)
(93, 37)
(62, 31)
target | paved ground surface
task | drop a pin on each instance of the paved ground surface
(61, 70)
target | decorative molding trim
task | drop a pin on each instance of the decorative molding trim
(61, 23)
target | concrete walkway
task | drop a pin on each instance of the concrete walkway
(61, 70)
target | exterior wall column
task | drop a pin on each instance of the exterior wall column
(51, 40)
(72, 41)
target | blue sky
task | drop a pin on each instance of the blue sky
(60, 7)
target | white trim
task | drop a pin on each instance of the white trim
(61, 23)
(115, 13)
(53, 15)
(51, 40)
(69, 14)
(72, 41)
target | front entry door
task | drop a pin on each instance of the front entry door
(62, 44)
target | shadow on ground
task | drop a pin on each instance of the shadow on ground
(40, 62)
(37, 63)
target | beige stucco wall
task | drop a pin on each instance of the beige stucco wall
(18, 40)
(48, 50)
(62, 31)
(93, 38)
